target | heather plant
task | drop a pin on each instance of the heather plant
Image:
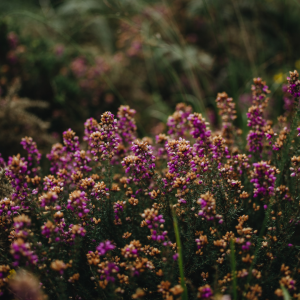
(197, 214)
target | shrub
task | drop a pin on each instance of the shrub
(195, 214)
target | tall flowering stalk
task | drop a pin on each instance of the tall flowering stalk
(126, 124)
(227, 112)
(263, 179)
(178, 122)
(255, 116)
(201, 132)
(141, 165)
(104, 142)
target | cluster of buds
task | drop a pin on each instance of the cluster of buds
(48, 228)
(19, 249)
(263, 178)
(105, 141)
(53, 184)
(208, 207)
(33, 154)
(104, 247)
(219, 148)
(21, 223)
(71, 141)
(48, 198)
(296, 166)
(227, 112)
(108, 270)
(205, 292)
(58, 158)
(180, 155)
(100, 190)
(76, 230)
(294, 84)
(81, 161)
(201, 132)
(126, 123)
(280, 139)
(16, 171)
(59, 266)
(131, 250)
(201, 242)
(118, 208)
(8, 208)
(178, 122)
(255, 115)
(154, 221)
(78, 200)
(141, 165)
(90, 126)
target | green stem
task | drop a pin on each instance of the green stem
(180, 260)
(233, 270)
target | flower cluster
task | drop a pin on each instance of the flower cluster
(142, 163)
(255, 115)
(178, 122)
(104, 142)
(126, 123)
(263, 178)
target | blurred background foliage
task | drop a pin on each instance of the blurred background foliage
(62, 61)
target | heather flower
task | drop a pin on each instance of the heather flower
(118, 208)
(58, 158)
(201, 242)
(20, 249)
(16, 171)
(131, 250)
(255, 115)
(81, 161)
(8, 208)
(48, 228)
(76, 230)
(86, 183)
(180, 155)
(178, 122)
(71, 141)
(296, 166)
(282, 136)
(142, 163)
(294, 84)
(108, 270)
(200, 131)
(33, 154)
(53, 184)
(78, 201)
(218, 148)
(208, 207)
(48, 198)
(90, 126)
(154, 222)
(263, 178)
(59, 266)
(227, 112)
(257, 122)
(126, 124)
(205, 292)
(105, 141)
(100, 190)
(21, 222)
(104, 247)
